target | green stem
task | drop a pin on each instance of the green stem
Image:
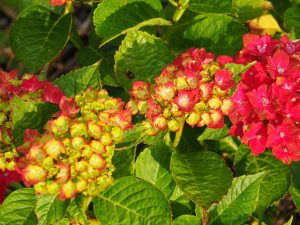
(173, 3)
(179, 133)
(85, 203)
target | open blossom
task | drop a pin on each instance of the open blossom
(194, 88)
(266, 112)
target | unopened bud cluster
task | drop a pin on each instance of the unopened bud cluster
(74, 155)
(28, 88)
(194, 88)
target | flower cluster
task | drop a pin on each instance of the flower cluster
(194, 88)
(267, 100)
(74, 155)
(28, 88)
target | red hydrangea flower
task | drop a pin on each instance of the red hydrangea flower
(7, 177)
(52, 93)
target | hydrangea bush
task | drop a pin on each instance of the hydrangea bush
(178, 112)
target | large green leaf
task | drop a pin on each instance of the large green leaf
(202, 175)
(49, 209)
(186, 220)
(153, 165)
(18, 208)
(239, 202)
(213, 6)
(114, 17)
(132, 201)
(123, 161)
(79, 80)
(23, 4)
(213, 134)
(141, 56)
(181, 204)
(218, 33)
(292, 18)
(277, 176)
(248, 9)
(38, 35)
(29, 114)
(295, 187)
(76, 212)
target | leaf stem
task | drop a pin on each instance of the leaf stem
(204, 217)
(179, 133)
(85, 203)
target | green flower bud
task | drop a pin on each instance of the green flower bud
(94, 129)
(54, 148)
(68, 190)
(48, 162)
(40, 188)
(87, 151)
(52, 187)
(98, 147)
(81, 166)
(77, 143)
(81, 185)
(193, 119)
(173, 125)
(106, 139)
(79, 130)
(97, 162)
(3, 118)
(117, 134)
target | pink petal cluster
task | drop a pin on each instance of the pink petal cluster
(194, 88)
(267, 100)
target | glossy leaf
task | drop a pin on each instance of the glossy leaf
(211, 6)
(49, 209)
(186, 220)
(277, 176)
(153, 165)
(39, 35)
(124, 162)
(239, 202)
(132, 201)
(202, 175)
(248, 9)
(29, 114)
(141, 56)
(79, 80)
(18, 208)
(211, 31)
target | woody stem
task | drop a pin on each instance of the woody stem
(85, 203)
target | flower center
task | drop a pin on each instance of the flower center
(281, 134)
(261, 49)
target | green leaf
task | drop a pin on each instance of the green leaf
(239, 202)
(181, 204)
(215, 32)
(132, 201)
(123, 161)
(248, 9)
(153, 165)
(202, 175)
(114, 17)
(277, 176)
(210, 6)
(238, 70)
(292, 18)
(295, 187)
(64, 221)
(290, 221)
(17, 209)
(23, 4)
(79, 80)
(75, 211)
(29, 114)
(213, 134)
(49, 209)
(38, 35)
(141, 56)
(186, 220)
